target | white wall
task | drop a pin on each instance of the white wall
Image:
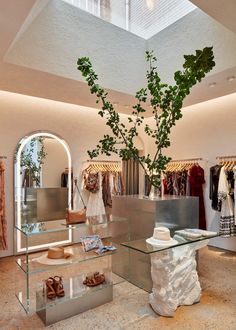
(207, 130)
(20, 115)
(54, 164)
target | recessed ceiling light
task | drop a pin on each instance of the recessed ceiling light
(231, 78)
(212, 84)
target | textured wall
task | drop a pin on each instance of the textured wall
(194, 31)
(61, 33)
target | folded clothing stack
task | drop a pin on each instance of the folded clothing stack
(105, 248)
(194, 234)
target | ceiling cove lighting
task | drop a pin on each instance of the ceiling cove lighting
(212, 85)
(231, 78)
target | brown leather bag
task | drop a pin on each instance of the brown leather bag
(76, 216)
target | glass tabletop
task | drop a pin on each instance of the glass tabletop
(141, 245)
(36, 228)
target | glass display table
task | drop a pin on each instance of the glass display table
(173, 272)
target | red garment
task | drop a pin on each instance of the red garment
(196, 180)
(164, 183)
(3, 222)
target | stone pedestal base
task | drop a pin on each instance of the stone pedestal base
(175, 278)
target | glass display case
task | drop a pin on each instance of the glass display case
(33, 268)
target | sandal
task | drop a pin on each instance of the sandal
(50, 292)
(94, 280)
(58, 286)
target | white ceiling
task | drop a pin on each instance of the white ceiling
(38, 57)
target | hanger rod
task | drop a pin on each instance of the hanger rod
(185, 160)
(103, 161)
(225, 157)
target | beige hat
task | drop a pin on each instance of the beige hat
(55, 256)
(58, 252)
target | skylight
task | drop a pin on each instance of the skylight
(144, 18)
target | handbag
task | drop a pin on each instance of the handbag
(76, 216)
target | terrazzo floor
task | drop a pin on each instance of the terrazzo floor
(130, 308)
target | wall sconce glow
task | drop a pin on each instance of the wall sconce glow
(18, 182)
(212, 85)
(231, 78)
(150, 4)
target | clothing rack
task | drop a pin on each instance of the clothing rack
(103, 166)
(103, 161)
(186, 160)
(225, 157)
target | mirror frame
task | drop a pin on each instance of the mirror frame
(17, 189)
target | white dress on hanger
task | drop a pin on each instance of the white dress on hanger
(227, 224)
(95, 205)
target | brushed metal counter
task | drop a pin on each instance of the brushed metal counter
(144, 214)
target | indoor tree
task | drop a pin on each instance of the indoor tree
(166, 102)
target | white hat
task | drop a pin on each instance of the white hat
(161, 238)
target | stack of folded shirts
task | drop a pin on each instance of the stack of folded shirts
(194, 234)
(105, 248)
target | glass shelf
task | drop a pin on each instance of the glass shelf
(30, 263)
(30, 229)
(142, 246)
(73, 287)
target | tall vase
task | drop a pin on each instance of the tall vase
(155, 192)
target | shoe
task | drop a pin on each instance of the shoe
(50, 291)
(95, 279)
(58, 286)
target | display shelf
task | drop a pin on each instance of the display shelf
(35, 300)
(73, 288)
(30, 263)
(39, 228)
(33, 268)
(142, 246)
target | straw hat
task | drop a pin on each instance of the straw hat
(55, 256)
(161, 237)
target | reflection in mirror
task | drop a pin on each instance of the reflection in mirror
(43, 179)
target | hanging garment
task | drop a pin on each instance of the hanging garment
(188, 183)
(92, 182)
(214, 182)
(196, 180)
(183, 183)
(3, 222)
(234, 170)
(175, 182)
(227, 224)
(169, 183)
(230, 179)
(106, 190)
(95, 205)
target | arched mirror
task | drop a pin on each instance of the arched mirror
(43, 177)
